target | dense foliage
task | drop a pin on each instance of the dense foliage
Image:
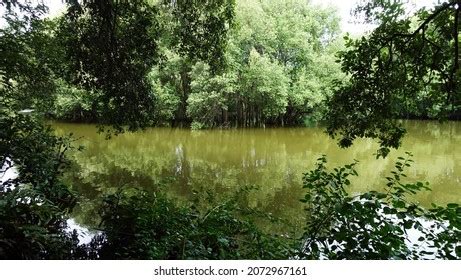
(34, 202)
(140, 63)
(130, 64)
(110, 47)
(273, 46)
(376, 225)
(142, 225)
(407, 66)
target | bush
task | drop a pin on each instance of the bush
(143, 225)
(73, 104)
(197, 125)
(33, 203)
(375, 225)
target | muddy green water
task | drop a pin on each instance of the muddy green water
(184, 162)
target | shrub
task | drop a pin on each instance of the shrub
(375, 225)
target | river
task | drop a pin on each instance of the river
(183, 163)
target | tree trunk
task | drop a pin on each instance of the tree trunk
(181, 114)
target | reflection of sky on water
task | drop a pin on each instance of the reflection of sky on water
(8, 172)
(84, 235)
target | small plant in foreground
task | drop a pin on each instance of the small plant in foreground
(375, 225)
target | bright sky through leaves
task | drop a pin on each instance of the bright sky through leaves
(347, 21)
(344, 7)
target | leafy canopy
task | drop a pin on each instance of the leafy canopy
(404, 59)
(111, 47)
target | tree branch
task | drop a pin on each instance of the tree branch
(454, 71)
(442, 8)
(455, 37)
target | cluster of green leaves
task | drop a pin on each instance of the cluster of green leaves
(407, 66)
(34, 203)
(28, 62)
(200, 29)
(33, 66)
(279, 67)
(74, 104)
(110, 47)
(209, 95)
(138, 63)
(111, 72)
(145, 225)
(375, 225)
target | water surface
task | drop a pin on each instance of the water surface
(184, 162)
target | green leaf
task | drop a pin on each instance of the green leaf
(398, 204)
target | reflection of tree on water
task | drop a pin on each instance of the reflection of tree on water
(181, 162)
(94, 186)
(281, 204)
(433, 130)
(182, 170)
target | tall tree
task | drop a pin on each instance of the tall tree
(404, 58)
(274, 48)
(112, 46)
(195, 31)
(26, 57)
(200, 29)
(33, 200)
